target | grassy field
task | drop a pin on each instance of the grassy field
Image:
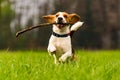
(38, 65)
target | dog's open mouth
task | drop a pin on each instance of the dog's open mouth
(60, 25)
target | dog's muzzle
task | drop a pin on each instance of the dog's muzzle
(60, 23)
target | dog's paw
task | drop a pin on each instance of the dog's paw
(76, 26)
(62, 59)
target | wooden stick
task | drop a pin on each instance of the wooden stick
(33, 27)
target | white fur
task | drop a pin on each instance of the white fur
(76, 26)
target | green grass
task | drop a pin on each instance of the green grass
(38, 65)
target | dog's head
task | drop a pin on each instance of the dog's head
(62, 17)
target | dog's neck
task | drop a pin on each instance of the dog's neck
(64, 30)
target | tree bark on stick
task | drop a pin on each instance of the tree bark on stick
(37, 26)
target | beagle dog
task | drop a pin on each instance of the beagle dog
(60, 41)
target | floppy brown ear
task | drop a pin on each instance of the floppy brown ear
(49, 18)
(74, 18)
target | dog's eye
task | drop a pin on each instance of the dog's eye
(57, 15)
(65, 16)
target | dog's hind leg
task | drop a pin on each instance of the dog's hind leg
(65, 56)
(74, 57)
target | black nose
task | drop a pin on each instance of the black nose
(60, 19)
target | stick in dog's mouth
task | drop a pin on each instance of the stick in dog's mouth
(37, 26)
(61, 25)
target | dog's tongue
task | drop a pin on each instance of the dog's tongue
(60, 25)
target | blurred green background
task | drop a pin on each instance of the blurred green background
(101, 29)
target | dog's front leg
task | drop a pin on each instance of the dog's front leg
(51, 49)
(65, 56)
(55, 58)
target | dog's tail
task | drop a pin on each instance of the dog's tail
(75, 27)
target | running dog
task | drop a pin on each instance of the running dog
(60, 41)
